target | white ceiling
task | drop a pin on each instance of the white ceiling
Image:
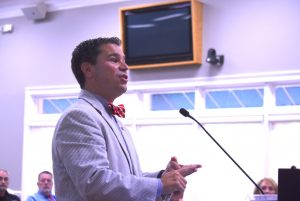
(13, 8)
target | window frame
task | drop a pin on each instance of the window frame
(142, 89)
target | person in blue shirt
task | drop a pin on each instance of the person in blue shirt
(45, 184)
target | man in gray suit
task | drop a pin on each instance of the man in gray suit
(94, 158)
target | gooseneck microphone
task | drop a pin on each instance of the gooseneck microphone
(185, 113)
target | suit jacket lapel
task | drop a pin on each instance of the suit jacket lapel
(113, 123)
(131, 149)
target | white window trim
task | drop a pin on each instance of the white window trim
(269, 112)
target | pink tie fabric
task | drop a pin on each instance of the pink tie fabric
(50, 198)
(117, 110)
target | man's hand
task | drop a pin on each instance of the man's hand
(188, 169)
(176, 196)
(173, 178)
(173, 181)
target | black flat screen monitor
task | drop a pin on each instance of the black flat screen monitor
(158, 34)
(288, 184)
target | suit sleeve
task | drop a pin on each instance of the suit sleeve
(80, 147)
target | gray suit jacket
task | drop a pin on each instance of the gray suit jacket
(94, 158)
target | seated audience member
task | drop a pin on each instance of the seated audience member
(4, 181)
(267, 185)
(45, 184)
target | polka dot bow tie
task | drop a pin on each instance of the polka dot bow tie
(117, 110)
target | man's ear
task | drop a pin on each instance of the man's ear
(87, 69)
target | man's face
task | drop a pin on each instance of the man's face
(45, 183)
(3, 181)
(108, 77)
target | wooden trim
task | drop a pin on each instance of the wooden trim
(197, 29)
(197, 21)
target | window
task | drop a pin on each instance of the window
(214, 99)
(211, 97)
(172, 101)
(260, 112)
(234, 98)
(56, 105)
(287, 95)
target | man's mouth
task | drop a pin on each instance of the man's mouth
(124, 78)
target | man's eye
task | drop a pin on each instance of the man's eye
(114, 59)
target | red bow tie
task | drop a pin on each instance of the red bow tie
(117, 110)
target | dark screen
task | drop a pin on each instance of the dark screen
(288, 184)
(158, 34)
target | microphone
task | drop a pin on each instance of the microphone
(185, 113)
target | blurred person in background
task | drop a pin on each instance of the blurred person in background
(4, 182)
(267, 185)
(45, 184)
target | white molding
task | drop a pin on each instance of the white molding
(268, 113)
(59, 90)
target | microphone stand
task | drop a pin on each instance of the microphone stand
(185, 113)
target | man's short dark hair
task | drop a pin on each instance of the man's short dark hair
(44, 172)
(87, 51)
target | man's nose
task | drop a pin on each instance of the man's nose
(124, 65)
